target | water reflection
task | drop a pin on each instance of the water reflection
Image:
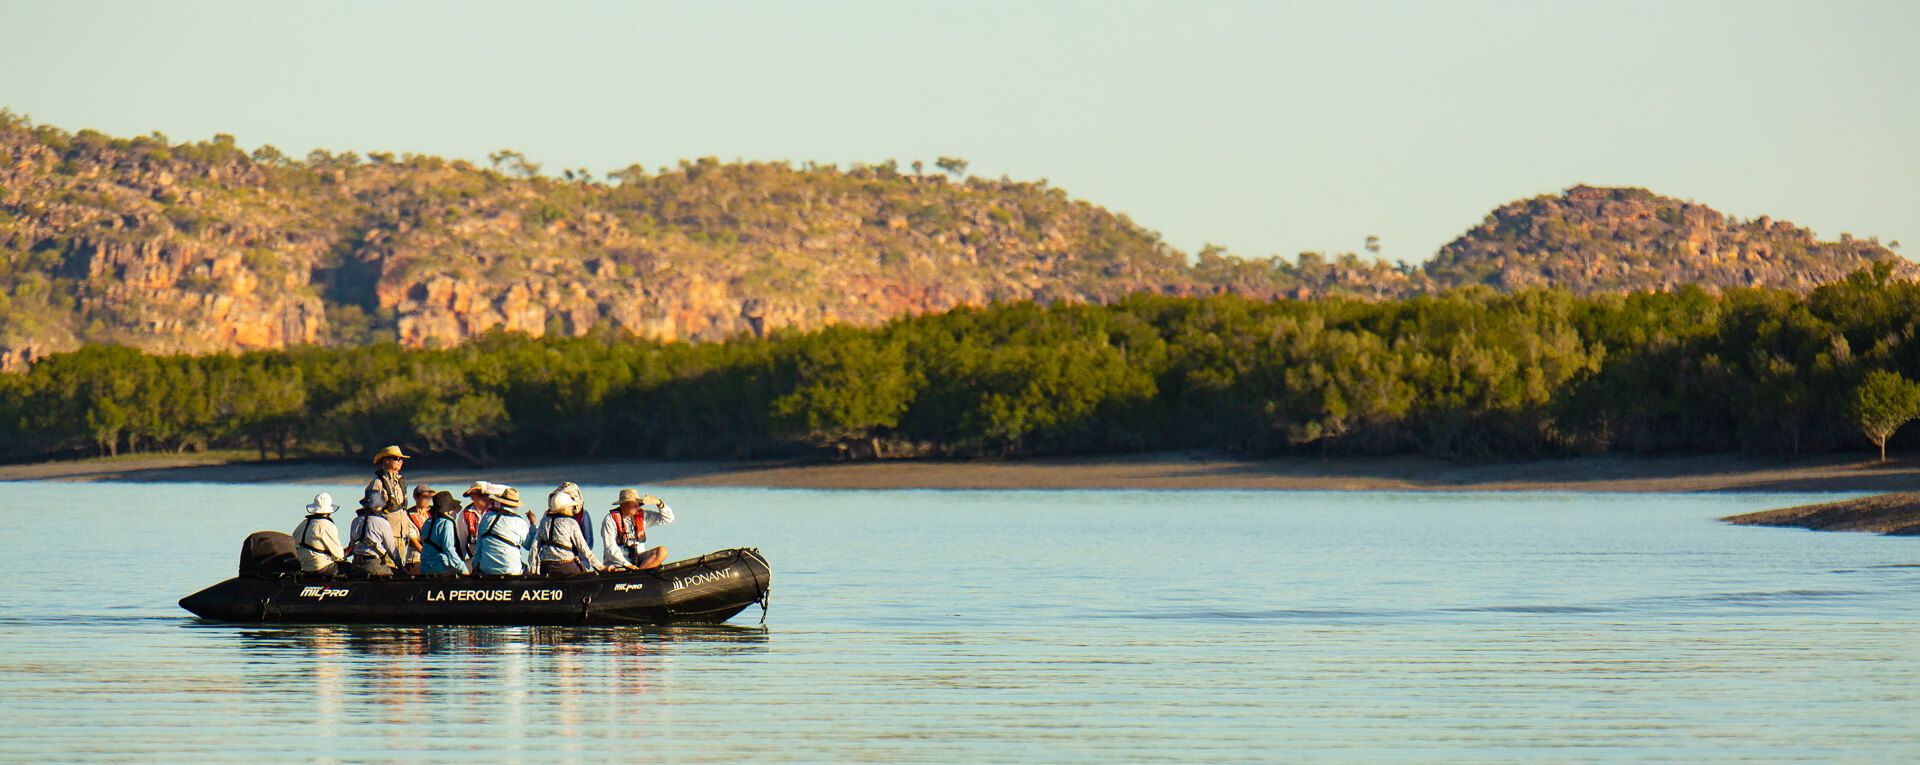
(558, 671)
(427, 641)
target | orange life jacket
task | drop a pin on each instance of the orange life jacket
(625, 537)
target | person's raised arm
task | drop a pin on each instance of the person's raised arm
(659, 517)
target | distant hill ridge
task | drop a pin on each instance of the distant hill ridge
(205, 247)
(1620, 239)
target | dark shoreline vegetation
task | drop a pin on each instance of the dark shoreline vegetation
(1468, 374)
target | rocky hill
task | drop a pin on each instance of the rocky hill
(202, 247)
(1623, 239)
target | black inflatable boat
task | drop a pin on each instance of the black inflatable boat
(706, 590)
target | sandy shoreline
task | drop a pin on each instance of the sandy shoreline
(1150, 471)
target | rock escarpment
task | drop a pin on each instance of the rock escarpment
(1592, 240)
(203, 247)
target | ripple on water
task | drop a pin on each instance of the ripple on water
(1322, 626)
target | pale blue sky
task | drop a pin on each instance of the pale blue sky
(1266, 127)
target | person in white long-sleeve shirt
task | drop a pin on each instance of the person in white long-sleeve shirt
(623, 534)
(317, 540)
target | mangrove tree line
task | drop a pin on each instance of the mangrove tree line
(1465, 374)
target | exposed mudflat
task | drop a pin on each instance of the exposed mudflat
(1897, 513)
(1179, 470)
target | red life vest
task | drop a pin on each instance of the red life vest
(639, 534)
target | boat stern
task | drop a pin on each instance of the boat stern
(234, 600)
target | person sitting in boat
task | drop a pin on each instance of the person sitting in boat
(317, 540)
(624, 533)
(376, 551)
(562, 546)
(419, 514)
(387, 479)
(439, 554)
(467, 522)
(504, 535)
(580, 515)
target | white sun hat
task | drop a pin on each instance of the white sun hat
(560, 500)
(322, 503)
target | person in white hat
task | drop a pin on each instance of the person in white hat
(561, 548)
(317, 540)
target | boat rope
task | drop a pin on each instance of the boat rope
(765, 587)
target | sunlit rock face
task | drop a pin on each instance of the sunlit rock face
(203, 247)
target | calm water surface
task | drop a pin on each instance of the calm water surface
(999, 626)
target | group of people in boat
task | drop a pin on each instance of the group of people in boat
(436, 535)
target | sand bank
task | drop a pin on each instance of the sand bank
(1896, 514)
(1150, 471)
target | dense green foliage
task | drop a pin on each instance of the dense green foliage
(1465, 374)
(1881, 404)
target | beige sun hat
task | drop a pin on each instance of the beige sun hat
(479, 488)
(391, 451)
(508, 496)
(627, 495)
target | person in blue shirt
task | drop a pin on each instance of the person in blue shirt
(439, 547)
(505, 537)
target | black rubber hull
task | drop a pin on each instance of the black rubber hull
(705, 590)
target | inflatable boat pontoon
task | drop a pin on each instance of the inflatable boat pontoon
(706, 590)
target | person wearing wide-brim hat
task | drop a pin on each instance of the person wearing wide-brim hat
(387, 479)
(440, 554)
(624, 532)
(317, 540)
(377, 549)
(504, 536)
(418, 515)
(467, 527)
(562, 548)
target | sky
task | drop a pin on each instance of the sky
(1264, 127)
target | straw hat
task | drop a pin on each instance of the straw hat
(391, 451)
(508, 496)
(480, 489)
(627, 495)
(322, 503)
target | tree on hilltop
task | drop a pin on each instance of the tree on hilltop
(953, 165)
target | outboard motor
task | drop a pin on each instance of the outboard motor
(267, 554)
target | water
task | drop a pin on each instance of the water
(998, 626)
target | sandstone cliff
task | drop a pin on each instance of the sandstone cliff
(203, 247)
(1620, 239)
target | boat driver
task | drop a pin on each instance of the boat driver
(624, 532)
